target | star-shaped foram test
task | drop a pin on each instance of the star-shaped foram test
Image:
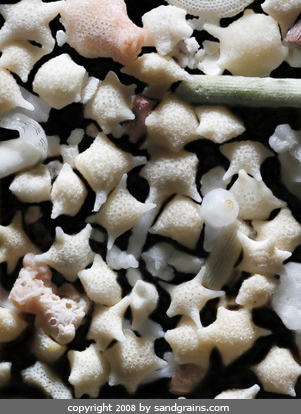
(284, 226)
(246, 155)
(189, 298)
(29, 19)
(278, 372)
(132, 360)
(233, 332)
(262, 257)
(14, 243)
(69, 254)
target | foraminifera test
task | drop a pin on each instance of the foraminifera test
(150, 199)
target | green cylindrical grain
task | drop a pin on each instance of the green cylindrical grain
(240, 90)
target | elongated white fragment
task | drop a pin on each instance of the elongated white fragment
(220, 263)
(240, 90)
(27, 150)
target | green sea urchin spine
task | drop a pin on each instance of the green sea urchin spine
(240, 90)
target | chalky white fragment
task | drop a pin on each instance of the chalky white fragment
(209, 57)
(5, 373)
(181, 220)
(256, 201)
(233, 332)
(245, 155)
(100, 283)
(103, 165)
(164, 27)
(189, 298)
(20, 56)
(218, 124)
(11, 325)
(273, 377)
(284, 226)
(111, 103)
(154, 69)
(239, 394)
(144, 300)
(163, 257)
(60, 81)
(284, 11)
(132, 360)
(68, 193)
(250, 46)
(69, 254)
(14, 243)
(287, 143)
(172, 173)
(107, 323)
(89, 371)
(189, 347)
(213, 179)
(262, 257)
(120, 212)
(256, 291)
(45, 348)
(42, 376)
(286, 300)
(29, 19)
(172, 124)
(33, 185)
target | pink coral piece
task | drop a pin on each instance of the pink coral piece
(185, 380)
(294, 35)
(59, 310)
(142, 107)
(102, 28)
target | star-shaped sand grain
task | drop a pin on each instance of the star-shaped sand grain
(239, 394)
(283, 11)
(88, 371)
(165, 27)
(120, 212)
(262, 257)
(189, 298)
(20, 56)
(14, 243)
(233, 332)
(245, 155)
(218, 124)
(100, 282)
(180, 220)
(111, 103)
(107, 323)
(29, 20)
(69, 254)
(256, 201)
(172, 124)
(10, 95)
(168, 173)
(132, 361)
(284, 226)
(278, 372)
(103, 165)
(188, 347)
